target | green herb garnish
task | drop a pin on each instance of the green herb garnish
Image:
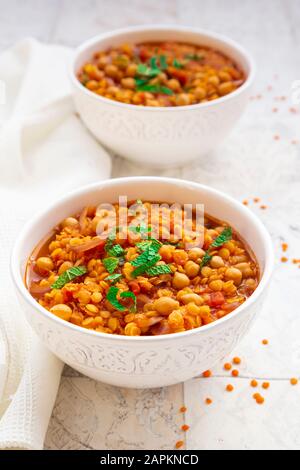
(68, 276)
(144, 261)
(139, 201)
(206, 259)
(113, 277)
(116, 250)
(143, 69)
(131, 295)
(159, 269)
(151, 242)
(110, 264)
(224, 237)
(177, 64)
(112, 298)
(196, 57)
(154, 88)
(142, 228)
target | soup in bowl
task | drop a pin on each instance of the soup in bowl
(134, 301)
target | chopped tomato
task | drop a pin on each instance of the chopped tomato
(134, 287)
(216, 298)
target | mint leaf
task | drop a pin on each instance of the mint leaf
(116, 250)
(110, 264)
(163, 62)
(143, 267)
(140, 228)
(206, 259)
(177, 64)
(112, 298)
(160, 269)
(224, 237)
(68, 276)
(113, 277)
(150, 242)
(129, 294)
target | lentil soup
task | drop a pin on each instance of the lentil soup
(134, 284)
(161, 74)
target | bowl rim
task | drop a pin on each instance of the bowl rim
(171, 28)
(27, 229)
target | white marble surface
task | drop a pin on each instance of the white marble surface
(251, 163)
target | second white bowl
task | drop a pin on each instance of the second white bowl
(161, 137)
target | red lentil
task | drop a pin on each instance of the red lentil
(185, 427)
(236, 360)
(183, 409)
(235, 373)
(266, 385)
(265, 342)
(208, 401)
(283, 259)
(229, 388)
(294, 381)
(207, 373)
(227, 366)
(254, 383)
(179, 444)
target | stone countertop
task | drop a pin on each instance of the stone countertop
(260, 159)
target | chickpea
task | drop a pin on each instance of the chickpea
(128, 83)
(70, 222)
(234, 274)
(195, 298)
(191, 268)
(175, 320)
(45, 264)
(111, 71)
(216, 285)
(195, 253)
(103, 61)
(200, 93)
(206, 271)
(64, 267)
(251, 283)
(180, 280)
(131, 70)
(245, 269)
(92, 85)
(165, 305)
(224, 253)
(192, 309)
(225, 88)
(62, 311)
(174, 84)
(183, 99)
(224, 76)
(214, 80)
(180, 257)
(216, 262)
(166, 252)
(131, 329)
(154, 103)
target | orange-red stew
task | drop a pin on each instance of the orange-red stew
(161, 74)
(133, 283)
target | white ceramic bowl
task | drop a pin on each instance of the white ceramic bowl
(161, 137)
(151, 361)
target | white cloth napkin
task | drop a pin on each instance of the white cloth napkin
(45, 151)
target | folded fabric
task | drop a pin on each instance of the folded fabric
(45, 151)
